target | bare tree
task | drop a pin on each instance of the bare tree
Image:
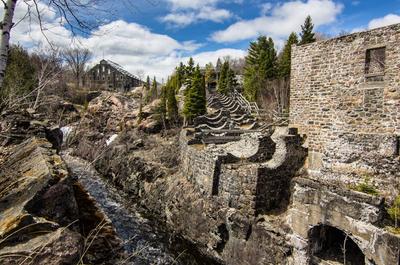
(77, 58)
(49, 72)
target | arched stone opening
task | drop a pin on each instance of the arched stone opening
(329, 245)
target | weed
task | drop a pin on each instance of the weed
(365, 187)
(394, 211)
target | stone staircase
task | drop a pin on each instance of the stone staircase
(231, 116)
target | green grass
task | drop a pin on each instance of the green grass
(365, 187)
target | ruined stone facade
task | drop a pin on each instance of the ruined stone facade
(345, 97)
(108, 75)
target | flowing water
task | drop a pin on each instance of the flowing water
(143, 238)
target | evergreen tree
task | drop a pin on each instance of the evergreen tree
(231, 82)
(195, 100)
(190, 67)
(162, 107)
(189, 70)
(163, 101)
(223, 78)
(307, 35)
(20, 78)
(209, 74)
(153, 91)
(261, 64)
(172, 105)
(285, 59)
(218, 68)
(180, 73)
(147, 87)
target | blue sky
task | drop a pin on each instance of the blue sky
(354, 15)
(150, 37)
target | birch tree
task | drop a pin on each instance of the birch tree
(6, 25)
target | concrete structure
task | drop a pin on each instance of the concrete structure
(108, 75)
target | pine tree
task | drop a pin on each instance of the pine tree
(189, 70)
(147, 87)
(172, 105)
(218, 67)
(20, 78)
(180, 73)
(261, 64)
(190, 67)
(223, 77)
(307, 35)
(231, 82)
(195, 100)
(162, 107)
(153, 91)
(209, 75)
(285, 60)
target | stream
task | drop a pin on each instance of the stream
(143, 237)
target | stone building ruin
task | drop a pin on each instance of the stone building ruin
(108, 75)
(345, 98)
(344, 129)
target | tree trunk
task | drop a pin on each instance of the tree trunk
(5, 27)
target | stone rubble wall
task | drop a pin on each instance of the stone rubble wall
(197, 164)
(254, 182)
(331, 98)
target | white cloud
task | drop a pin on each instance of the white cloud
(384, 21)
(186, 12)
(191, 4)
(206, 57)
(207, 13)
(131, 45)
(265, 8)
(282, 19)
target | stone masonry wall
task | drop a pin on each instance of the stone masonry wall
(197, 164)
(344, 109)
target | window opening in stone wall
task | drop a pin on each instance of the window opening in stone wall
(375, 64)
